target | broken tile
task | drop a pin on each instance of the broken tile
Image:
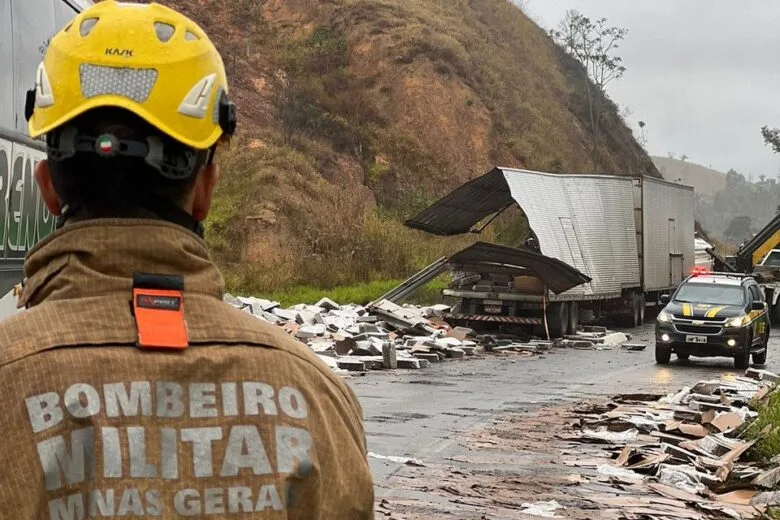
(390, 361)
(353, 365)
(431, 357)
(762, 375)
(327, 304)
(408, 363)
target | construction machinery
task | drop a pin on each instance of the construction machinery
(759, 257)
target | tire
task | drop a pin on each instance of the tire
(663, 354)
(742, 358)
(775, 314)
(683, 357)
(760, 358)
(634, 318)
(557, 319)
(574, 315)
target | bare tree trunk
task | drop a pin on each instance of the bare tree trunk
(593, 129)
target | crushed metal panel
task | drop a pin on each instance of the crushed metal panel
(466, 206)
(557, 275)
(595, 212)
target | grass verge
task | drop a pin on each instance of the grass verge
(360, 293)
(768, 444)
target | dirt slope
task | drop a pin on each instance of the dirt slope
(357, 113)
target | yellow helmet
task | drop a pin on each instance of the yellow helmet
(145, 58)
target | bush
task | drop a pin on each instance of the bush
(768, 444)
(328, 236)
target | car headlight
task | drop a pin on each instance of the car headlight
(664, 317)
(736, 322)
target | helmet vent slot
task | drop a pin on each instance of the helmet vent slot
(164, 31)
(86, 26)
(191, 36)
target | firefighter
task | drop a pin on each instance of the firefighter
(132, 389)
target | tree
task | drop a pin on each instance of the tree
(592, 43)
(739, 229)
(643, 134)
(771, 137)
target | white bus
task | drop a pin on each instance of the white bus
(26, 27)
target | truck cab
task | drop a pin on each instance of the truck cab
(772, 259)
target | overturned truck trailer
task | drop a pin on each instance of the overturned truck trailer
(633, 237)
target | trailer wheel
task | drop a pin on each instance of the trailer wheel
(574, 317)
(634, 319)
(557, 319)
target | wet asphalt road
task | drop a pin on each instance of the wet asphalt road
(416, 413)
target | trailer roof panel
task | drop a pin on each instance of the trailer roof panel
(558, 276)
(456, 213)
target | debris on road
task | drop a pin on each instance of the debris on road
(685, 447)
(543, 509)
(398, 460)
(354, 339)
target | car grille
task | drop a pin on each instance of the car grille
(698, 329)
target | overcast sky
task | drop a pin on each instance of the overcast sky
(703, 74)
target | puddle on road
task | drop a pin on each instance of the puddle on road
(397, 417)
(432, 383)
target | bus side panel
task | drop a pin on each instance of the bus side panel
(24, 219)
(7, 109)
(33, 26)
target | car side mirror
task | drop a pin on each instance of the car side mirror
(665, 298)
(757, 306)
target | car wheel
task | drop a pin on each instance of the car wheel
(760, 357)
(663, 354)
(684, 357)
(742, 358)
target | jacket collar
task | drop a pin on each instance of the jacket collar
(98, 258)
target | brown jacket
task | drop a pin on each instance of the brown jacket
(244, 423)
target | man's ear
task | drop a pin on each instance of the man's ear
(204, 191)
(45, 184)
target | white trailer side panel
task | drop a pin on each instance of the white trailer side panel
(586, 221)
(669, 253)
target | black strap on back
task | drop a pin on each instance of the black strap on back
(162, 207)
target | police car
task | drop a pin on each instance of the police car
(714, 314)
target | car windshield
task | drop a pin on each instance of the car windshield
(714, 294)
